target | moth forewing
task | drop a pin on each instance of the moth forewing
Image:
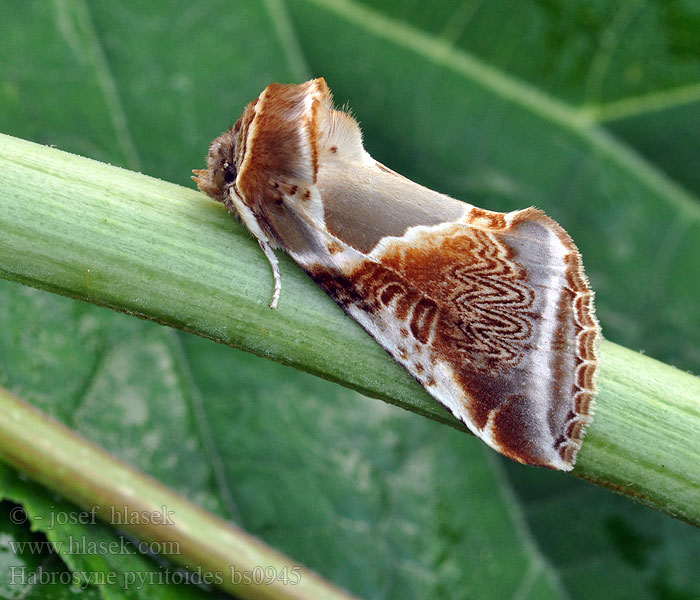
(492, 313)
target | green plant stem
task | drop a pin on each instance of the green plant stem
(71, 465)
(153, 249)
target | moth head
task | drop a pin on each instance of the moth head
(222, 166)
(283, 137)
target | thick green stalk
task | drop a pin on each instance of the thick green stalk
(159, 251)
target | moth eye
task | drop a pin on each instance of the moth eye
(229, 173)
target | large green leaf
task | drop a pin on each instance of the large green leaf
(630, 65)
(497, 103)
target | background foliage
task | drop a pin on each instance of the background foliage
(589, 110)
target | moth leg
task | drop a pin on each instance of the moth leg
(250, 221)
(272, 258)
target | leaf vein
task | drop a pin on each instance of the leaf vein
(74, 22)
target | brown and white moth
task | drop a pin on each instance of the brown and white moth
(490, 312)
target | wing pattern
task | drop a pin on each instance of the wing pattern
(492, 319)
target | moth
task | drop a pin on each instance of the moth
(491, 312)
